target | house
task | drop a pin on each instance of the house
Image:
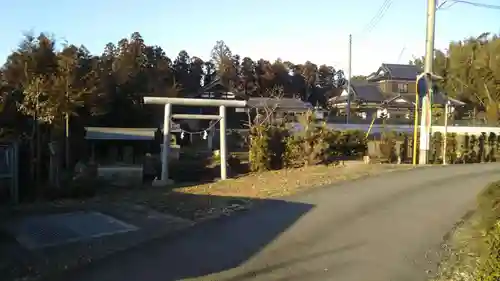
(390, 90)
(237, 117)
(217, 90)
(396, 78)
(368, 100)
(401, 79)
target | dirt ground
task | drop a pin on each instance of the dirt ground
(200, 201)
(195, 203)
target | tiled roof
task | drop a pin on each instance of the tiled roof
(283, 103)
(402, 71)
(215, 85)
(395, 72)
(367, 92)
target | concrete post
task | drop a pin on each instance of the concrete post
(425, 124)
(166, 142)
(223, 144)
(349, 77)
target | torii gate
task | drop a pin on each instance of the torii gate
(167, 119)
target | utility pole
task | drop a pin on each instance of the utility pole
(66, 130)
(349, 76)
(426, 116)
(66, 145)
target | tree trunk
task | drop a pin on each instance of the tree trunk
(55, 162)
(492, 113)
(33, 161)
(38, 171)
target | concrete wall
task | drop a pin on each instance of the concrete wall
(121, 175)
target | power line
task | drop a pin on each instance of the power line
(443, 5)
(377, 14)
(380, 17)
(475, 4)
(377, 17)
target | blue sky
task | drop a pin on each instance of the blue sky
(294, 30)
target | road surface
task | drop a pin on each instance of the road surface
(382, 228)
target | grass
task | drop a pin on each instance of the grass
(197, 201)
(473, 251)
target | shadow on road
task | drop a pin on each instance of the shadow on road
(207, 248)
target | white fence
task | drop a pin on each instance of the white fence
(460, 130)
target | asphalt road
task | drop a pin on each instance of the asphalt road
(388, 227)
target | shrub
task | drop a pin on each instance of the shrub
(436, 149)
(492, 147)
(258, 153)
(354, 143)
(451, 148)
(273, 146)
(388, 146)
(267, 146)
(311, 145)
(481, 148)
(473, 142)
(405, 146)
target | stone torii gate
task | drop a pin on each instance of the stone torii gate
(167, 120)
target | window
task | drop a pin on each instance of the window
(403, 88)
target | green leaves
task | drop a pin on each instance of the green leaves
(472, 69)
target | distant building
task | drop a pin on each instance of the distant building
(390, 91)
(237, 117)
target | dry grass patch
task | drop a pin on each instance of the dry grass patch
(288, 181)
(206, 199)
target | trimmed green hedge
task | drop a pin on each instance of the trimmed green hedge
(460, 149)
